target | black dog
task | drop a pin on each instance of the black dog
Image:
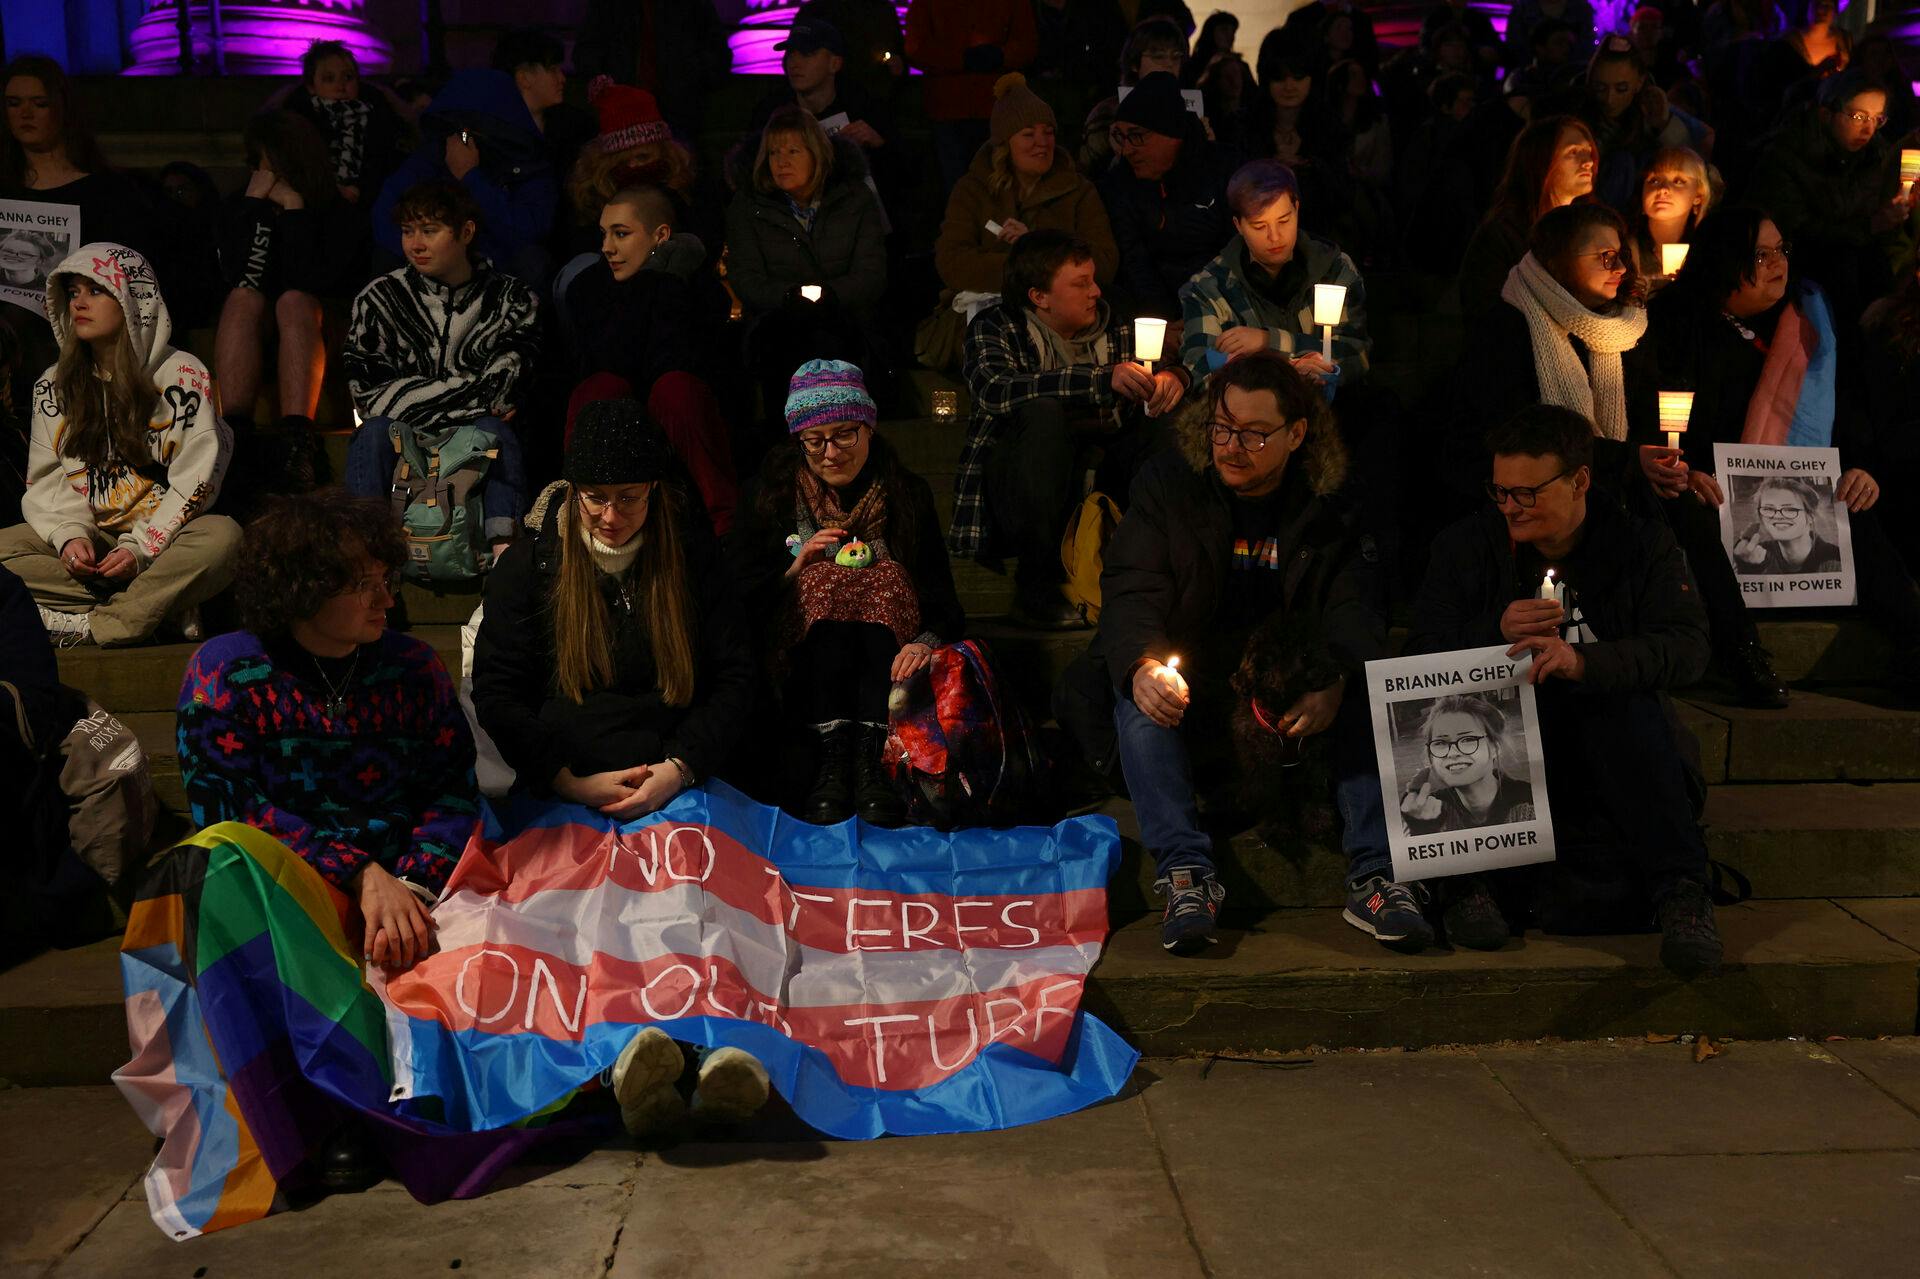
(1285, 782)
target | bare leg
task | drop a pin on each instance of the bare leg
(238, 344)
(303, 353)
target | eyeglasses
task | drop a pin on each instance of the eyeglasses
(1782, 512)
(1862, 120)
(1250, 440)
(1127, 138)
(372, 584)
(1468, 746)
(1766, 253)
(1610, 259)
(843, 439)
(1523, 495)
(623, 504)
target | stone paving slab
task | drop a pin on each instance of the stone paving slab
(1377, 1164)
(1895, 918)
(1893, 1064)
(1830, 734)
(1655, 1099)
(68, 1155)
(1081, 1195)
(1740, 1216)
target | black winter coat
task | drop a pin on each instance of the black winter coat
(1166, 569)
(1628, 574)
(638, 329)
(769, 253)
(1167, 230)
(539, 732)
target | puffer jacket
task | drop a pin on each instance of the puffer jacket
(972, 259)
(769, 252)
(141, 508)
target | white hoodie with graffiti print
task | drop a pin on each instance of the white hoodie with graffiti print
(140, 509)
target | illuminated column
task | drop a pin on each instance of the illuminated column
(257, 37)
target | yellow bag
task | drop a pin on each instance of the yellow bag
(1084, 551)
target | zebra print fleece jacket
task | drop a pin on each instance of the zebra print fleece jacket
(434, 356)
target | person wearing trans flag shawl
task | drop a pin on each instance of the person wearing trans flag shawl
(289, 1016)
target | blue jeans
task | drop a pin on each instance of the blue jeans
(1159, 776)
(503, 497)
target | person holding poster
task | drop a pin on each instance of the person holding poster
(1244, 523)
(1761, 351)
(1625, 628)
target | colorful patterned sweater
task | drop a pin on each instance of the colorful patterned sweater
(389, 781)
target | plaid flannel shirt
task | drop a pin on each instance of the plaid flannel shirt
(1219, 297)
(1003, 372)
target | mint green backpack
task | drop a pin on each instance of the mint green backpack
(436, 493)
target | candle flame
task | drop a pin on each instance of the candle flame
(1173, 663)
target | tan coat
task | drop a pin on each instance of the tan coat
(970, 259)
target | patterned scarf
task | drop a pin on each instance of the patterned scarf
(1552, 315)
(881, 593)
(346, 136)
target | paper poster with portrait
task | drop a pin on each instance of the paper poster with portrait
(1783, 525)
(1461, 766)
(34, 239)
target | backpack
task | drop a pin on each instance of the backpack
(436, 494)
(1083, 551)
(959, 749)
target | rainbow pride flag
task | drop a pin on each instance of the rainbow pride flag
(892, 981)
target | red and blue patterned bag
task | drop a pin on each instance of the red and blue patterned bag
(960, 749)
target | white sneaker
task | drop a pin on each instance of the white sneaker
(733, 1087)
(643, 1083)
(66, 629)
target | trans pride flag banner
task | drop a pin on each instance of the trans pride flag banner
(895, 982)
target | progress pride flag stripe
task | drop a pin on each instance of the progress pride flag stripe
(902, 1045)
(667, 856)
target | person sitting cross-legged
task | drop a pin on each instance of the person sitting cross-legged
(1244, 523)
(1631, 628)
(1051, 371)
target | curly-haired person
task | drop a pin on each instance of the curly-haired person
(319, 726)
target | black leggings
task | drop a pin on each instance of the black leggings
(841, 671)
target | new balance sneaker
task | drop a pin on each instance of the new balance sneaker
(67, 629)
(1689, 942)
(1395, 914)
(1193, 903)
(1473, 919)
(733, 1086)
(643, 1079)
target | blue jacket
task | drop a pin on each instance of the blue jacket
(513, 184)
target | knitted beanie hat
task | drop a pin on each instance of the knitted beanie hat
(1155, 103)
(828, 391)
(1015, 107)
(614, 442)
(628, 116)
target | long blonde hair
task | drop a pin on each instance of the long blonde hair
(107, 403)
(583, 625)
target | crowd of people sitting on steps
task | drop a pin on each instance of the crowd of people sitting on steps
(639, 396)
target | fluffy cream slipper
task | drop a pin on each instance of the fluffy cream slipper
(643, 1083)
(733, 1087)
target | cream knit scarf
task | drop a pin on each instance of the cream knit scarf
(1552, 314)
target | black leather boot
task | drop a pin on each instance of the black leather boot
(1751, 667)
(831, 800)
(874, 796)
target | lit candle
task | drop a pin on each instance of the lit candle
(1173, 663)
(1329, 304)
(1552, 590)
(1676, 410)
(1672, 258)
(1909, 168)
(812, 292)
(1149, 338)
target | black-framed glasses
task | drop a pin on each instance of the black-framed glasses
(1523, 495)
(1467, 746)
(1250, 440)
(843, 439)
(1126, 137)
(1767, 253)
(1610, 259)
(1782, 512)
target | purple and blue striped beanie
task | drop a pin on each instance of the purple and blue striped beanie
(827, 391)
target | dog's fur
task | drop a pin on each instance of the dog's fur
(1285, 658)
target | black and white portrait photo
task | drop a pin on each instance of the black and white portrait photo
(1784, 527)
(34, 239)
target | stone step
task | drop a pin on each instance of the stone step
(1828, 734)
(1289, 980)
(1790, 841)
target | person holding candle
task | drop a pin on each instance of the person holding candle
(1760, 349)
(1247, 521)
(1676, 190)
(1052, 374)
(1626, 821)
(1259, 293)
